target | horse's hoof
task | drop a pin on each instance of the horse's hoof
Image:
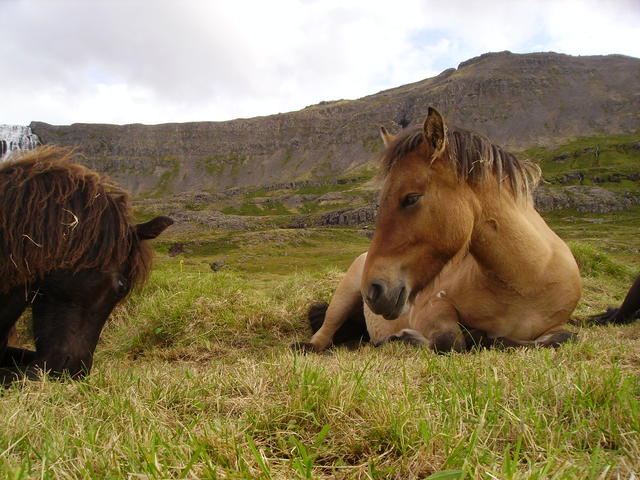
(303, 347)
(389, 339)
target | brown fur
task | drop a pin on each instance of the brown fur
(55, 214)
(457, 243)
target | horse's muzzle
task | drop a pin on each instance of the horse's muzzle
(386, 300)
(61, 365)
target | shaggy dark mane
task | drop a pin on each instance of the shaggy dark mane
(473, 157)
(55, 214)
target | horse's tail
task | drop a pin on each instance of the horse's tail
(628, 311)
(353, 330)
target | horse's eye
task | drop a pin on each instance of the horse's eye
(121, 287)
(411, 199)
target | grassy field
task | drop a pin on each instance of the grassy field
(193, 378)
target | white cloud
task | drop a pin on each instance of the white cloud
(156, 61)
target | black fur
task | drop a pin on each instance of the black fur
(447, 341)
(628, 311)
(353, 331)
(479, 339)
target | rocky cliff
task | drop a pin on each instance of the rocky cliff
(517, 100)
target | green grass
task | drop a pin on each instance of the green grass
(215, 165)
(252, 209)
(165, 182)
(388, 413)
(322, 189)
(615, 232)
(193, 378)
(279, 252)
(314, 207)
(597, 158)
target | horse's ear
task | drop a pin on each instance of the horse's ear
(387, 138)
(435, 131)
(152, 228)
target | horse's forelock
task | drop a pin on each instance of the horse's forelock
(56, 214)
(473, 158)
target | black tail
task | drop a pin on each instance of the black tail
(352, 331)
(628, 311)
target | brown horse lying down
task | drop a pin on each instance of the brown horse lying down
(628, 311)
(459, 254)
(70, 252)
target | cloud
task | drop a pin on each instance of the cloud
(154, 61)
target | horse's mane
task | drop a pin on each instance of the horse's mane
(55, 214)
(473, 158)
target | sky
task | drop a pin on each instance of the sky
(157, 61)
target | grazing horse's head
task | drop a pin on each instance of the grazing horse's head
(70, 307)
(429, 205)
(68, 248)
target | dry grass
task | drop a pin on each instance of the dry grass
(374, 413)
(193, 379)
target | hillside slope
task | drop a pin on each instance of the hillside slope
(518, 100)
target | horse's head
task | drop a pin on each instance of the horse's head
(426, 215)
(71, 307)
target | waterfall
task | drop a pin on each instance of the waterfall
(16, 137)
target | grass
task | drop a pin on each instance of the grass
(597, 158)
(214, 165)
(252, 203)
(193, 378)
(279, 252)
(389, 413)
(252, 209)
(166, 180)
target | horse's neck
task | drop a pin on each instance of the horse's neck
(512, 244)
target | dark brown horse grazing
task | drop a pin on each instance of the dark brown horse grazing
(459, 255)
(69, 250)
(628, 311)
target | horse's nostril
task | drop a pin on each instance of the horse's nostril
(402, 297)
(375, 290)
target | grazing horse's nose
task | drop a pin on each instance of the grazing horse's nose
(384, 299)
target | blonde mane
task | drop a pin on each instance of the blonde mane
(473, 158)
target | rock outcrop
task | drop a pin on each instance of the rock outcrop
(516, 100)
(584, 199)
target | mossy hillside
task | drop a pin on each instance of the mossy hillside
(248, 208)
(218, 165)
(354, 190)
(603, 161)
(165, 182)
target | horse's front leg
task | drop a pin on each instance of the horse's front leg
(553, 339)
(12, 304)
(433, 324)
(12, 359)
(346, 300)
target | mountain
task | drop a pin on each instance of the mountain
(518, 100)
